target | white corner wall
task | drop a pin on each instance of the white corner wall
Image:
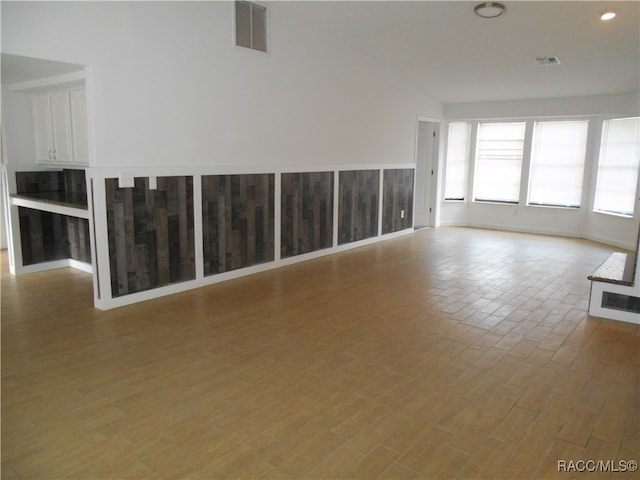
(583, 223)
(18, 129)
(168, 87)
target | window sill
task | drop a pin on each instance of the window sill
(614, 214)
(557, 207)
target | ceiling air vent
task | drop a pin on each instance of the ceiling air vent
(548, 60)
(251, 26)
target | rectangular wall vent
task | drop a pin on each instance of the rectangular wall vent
(251, 26)
(548, 60)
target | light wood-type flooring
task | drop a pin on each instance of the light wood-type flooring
(448, 353)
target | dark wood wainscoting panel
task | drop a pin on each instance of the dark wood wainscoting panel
(359, 193)
(40, 181)
(75, 183)
(79, 240)
(43, 236)
(46, 236)
(237, 221)
(151, 237)
(397, 196)
(307, 212)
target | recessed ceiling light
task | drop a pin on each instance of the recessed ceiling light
(489, 9)
(608, 16)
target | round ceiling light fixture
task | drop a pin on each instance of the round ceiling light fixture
(608, 16)
(489, 9)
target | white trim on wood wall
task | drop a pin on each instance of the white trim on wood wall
(103, 296)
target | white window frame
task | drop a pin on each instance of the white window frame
(598, 173)
(523, 160)
(465, 162)
(579, 170)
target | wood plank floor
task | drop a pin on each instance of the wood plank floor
(450, 353)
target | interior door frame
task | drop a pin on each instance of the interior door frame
(431, 170)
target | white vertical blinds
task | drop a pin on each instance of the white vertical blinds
(618, 166)
(499, 152)
(557, 163)
(457, 161)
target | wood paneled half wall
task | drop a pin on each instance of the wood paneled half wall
(47, 236)
(237, 221)
(397, 210)
(307, 212)
(178, 228)
(151, 233)
(359, 195)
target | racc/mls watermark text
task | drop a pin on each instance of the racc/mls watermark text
(612, 466)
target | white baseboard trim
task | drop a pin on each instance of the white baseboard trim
(542, 231)
(535, 231)
(611, 241)
(121, 301)
(44, 266)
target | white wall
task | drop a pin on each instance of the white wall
(19, 141)
(613, 230)
(169, 88)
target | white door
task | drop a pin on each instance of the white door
(79, 125)
(426, 152)
(61, 115)
(42, 120)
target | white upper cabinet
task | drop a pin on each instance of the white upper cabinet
(43, 126)
(61, 122)
(61, 127)
(78, 98)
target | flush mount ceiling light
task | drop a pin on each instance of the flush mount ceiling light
(608, 16)
(489, 9)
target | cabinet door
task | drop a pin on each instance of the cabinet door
(79, 125)
(61, 119)
(42, 120)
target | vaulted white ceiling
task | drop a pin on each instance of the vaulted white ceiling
(444, 48)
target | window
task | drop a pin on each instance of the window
(557, 163)
(499, 154)
(251, 26)
(618, 166)
(457, 161)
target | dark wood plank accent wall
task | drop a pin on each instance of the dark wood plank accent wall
(237, 221)
(46, 236)
(79, 240)
(359, 193)
(43, 236)
(40, 181)
(68, 181)
(151, 237)
(397, 196)
(307, 212)
(75, 184)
